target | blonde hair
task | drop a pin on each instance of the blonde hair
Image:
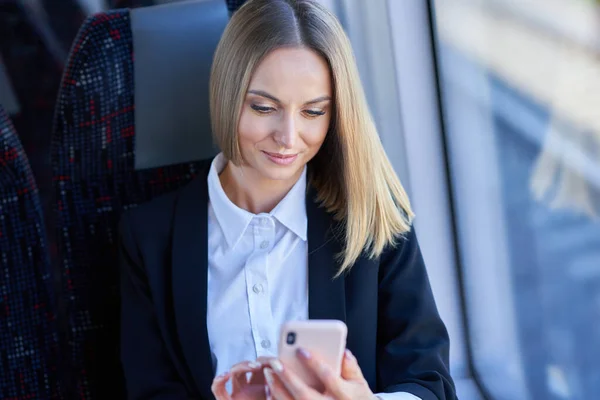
(351, 173)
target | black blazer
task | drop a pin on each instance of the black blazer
(394, 328)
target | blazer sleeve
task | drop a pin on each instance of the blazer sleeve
(149, 372)
(412, 340)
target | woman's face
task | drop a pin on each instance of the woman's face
(286, 113)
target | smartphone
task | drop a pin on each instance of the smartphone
(327, 338)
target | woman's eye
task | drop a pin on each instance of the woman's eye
(315, 113)
(262, 109)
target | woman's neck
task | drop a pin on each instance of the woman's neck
(251, 192)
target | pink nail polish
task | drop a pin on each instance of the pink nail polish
(303, 353)
(223, 375)
(268, 376)
(254, 365)
(277, 366)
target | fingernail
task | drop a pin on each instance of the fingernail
(223, 375)
(276, 365)
(254, 365)
(303, 353)
(349, 355)
(268, 376)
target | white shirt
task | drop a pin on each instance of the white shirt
(257, 274)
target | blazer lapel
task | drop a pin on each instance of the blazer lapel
(326, 295)
(190, 270)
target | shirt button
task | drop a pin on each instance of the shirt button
(258, 288)
(264, 221)
(264, 244)
(265, 344)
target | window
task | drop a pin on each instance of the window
(393, 47)
(520, 84)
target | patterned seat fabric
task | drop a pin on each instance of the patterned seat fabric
(28, 336)
(232, 5)
(95, 181)
(131, 3)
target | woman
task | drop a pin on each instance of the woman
(301, 216)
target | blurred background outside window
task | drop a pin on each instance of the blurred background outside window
(520, 84)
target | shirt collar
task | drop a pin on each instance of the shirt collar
(290, 212)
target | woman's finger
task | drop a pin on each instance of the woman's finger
(350, 369)
(258, 376)
(334, 384)
(218, 387)
(264, 360)
(239, 373)
(276, 390)
(295, 386)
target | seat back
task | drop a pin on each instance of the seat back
(94, 151)
(28, 335)
(174, 45)
(232, 5)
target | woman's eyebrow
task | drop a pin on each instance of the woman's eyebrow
(319, 99)
(275, 99)
(265, 94)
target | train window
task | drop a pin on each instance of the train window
(488, 109)
(520, 84)
(392, 43)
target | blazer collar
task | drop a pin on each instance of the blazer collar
(190, 271)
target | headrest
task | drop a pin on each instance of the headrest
(8, 99)
(173, 46)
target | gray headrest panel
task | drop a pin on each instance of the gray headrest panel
(174, 46)
(8, 99)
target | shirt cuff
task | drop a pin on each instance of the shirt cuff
(397, 396)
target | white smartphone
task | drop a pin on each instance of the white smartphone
(327, 338)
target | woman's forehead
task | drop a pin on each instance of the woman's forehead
(293, 72)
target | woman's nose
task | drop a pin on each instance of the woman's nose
(287, 134)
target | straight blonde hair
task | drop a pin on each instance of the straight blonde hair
(351, 173)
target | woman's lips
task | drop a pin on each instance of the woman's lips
(281, 159)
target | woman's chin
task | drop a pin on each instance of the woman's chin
(279, 173)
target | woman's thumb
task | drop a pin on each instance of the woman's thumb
(350, 368)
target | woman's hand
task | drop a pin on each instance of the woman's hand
(242, 387)
(283, 384)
